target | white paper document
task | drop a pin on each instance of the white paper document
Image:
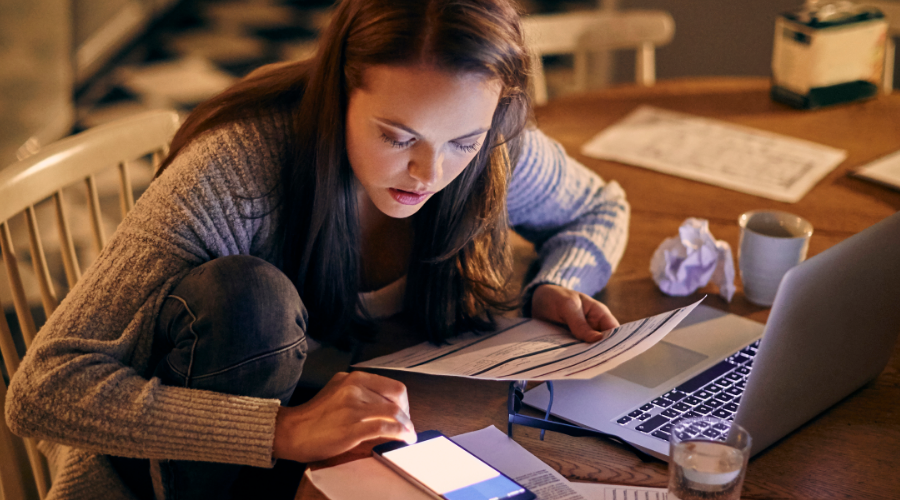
(370, 479)
(723, 154)
(529, 349)
(496, 448)
(885, 170)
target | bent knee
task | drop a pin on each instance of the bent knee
(244, 294)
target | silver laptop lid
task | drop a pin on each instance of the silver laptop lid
(832, 328)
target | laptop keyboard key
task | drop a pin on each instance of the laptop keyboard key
(735, 377)
(703, 409)
(674, 395)
(624, 420)
(713, 388)
(681, 406)
(636, 413)
(706, 377)
(741, 358)
(661, 435)
(721, 413)
(644, 416)
(712, 434)
(731, 407)
(721, 427)
(691, 400)
(713, 403)
(724, 397)
(650, 425)
(734, 391)
(662, 402)
(703, 395)
(647, 407)
(670, 413)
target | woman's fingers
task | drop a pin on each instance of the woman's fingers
(572, 310)
(585, 317)
(387, 388)
(351, 409)
(598, 315)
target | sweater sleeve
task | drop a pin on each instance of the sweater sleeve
(83, 381)
(578, 222)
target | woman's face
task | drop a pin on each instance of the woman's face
(412, 130)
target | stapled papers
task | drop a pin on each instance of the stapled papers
(527, 349)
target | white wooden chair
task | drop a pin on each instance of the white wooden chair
(581, 33)
(75, 159)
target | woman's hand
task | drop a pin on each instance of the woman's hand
(584, 316)
(350, 409)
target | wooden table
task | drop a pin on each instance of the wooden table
(849, 451)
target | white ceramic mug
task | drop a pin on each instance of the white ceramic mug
(771, 243)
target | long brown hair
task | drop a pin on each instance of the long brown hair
(460, 263)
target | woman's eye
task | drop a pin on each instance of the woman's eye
(395, 143)
(467, 148)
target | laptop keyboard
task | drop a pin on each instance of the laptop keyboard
(716, 392)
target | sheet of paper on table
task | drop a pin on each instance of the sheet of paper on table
(723, 154)
(368, 478)
(885, 170)
(527, 349)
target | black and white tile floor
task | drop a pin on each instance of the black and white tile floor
(203, 46)
(196, 51)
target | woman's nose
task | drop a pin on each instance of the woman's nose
(427, 167)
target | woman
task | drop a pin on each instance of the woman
(307, 202)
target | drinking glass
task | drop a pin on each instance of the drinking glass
(707, 459)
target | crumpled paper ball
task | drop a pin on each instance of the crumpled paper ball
(682, 264)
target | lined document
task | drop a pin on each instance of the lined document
(723, 154)
(528, 349)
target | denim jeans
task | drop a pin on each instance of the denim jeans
(234, 325)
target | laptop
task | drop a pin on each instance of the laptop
(831, 330)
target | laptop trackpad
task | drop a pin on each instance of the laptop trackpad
(657, 364)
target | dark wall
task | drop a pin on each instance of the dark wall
(713, 37)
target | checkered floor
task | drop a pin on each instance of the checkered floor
(202, 46)
(197, 50)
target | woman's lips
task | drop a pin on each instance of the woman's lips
(408, 197)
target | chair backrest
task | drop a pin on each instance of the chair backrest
(580, 33)
(39, 178)
(891, 10)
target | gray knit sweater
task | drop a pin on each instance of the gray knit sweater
(84, 389)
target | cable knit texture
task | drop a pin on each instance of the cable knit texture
(83, 387)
